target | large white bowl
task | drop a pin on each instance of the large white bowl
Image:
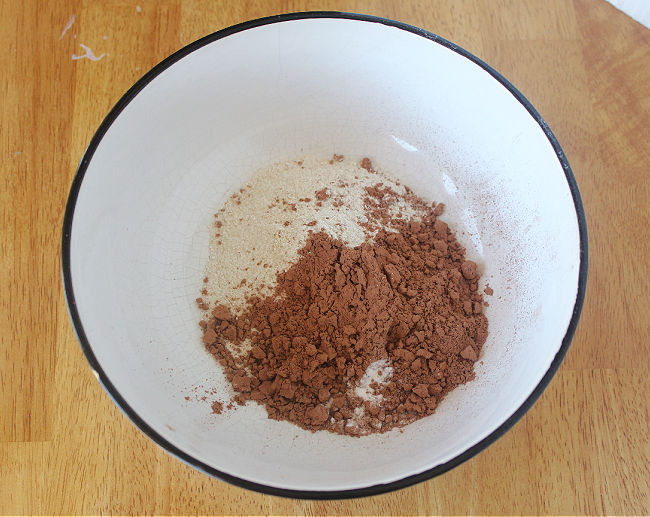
(199, 124)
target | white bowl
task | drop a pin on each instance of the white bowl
(199, 124)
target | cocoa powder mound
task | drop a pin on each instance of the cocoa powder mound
(405, 303)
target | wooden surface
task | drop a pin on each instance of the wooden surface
(64, 445)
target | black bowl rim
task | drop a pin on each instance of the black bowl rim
(316, 494)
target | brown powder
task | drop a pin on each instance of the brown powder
(358, 339)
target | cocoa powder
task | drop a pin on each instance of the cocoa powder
(403, 307)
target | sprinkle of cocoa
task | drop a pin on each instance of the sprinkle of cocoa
(338, 310)
(351, 338)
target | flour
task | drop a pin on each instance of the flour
(261, 227)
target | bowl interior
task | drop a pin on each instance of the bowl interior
(312, 87)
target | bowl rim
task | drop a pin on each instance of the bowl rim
(268, 489)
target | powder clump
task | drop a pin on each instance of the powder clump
(368, 326)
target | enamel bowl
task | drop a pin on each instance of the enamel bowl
(199, 124)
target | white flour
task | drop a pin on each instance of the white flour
(257, 233)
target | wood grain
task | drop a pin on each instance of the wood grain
(582, 449)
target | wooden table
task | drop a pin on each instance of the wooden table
(66, 448)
